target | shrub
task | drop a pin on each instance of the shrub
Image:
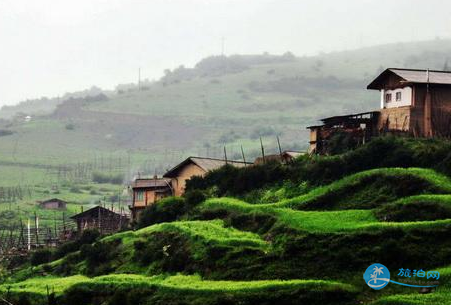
(193, 198)
(87, 237)
(40, 257)
(165, 210)
(100, 177)
(99, 255)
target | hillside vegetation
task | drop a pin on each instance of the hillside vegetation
(310, 244)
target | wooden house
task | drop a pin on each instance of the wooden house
(100, 218)
(146, 192)
(195, 166)
(412, 102)
(53, 204)
(285, 157)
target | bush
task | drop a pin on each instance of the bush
(166, 210)
(87, 237)
(40, 257)
(99, 255)
(107, 178)
(193, 198)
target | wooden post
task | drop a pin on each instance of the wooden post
(36, 228)
(225, 154)
(280, 148)
(29, 235)
(263, 150)
(242, 153)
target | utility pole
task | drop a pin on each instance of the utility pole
(263, 150)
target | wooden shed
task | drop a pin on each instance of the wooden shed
(100, 218)
(53, 204)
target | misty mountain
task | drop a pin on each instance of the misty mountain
(222, 100)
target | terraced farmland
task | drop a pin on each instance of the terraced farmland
(311, 249)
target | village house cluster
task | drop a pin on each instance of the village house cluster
(148, 191)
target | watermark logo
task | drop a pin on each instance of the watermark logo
(377, 276)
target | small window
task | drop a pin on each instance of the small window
(139, 196)
(388, 97)
(398, 96)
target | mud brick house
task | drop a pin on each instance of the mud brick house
(146, 192)
(53, 204)
(412, 102)
(195, 166)
(100, 218)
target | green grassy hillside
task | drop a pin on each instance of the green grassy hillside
(311, 248)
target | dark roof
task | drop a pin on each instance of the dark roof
(95, 211)
(207, 164)
(53, 199)
(413, 76)
(340, 118)
(150, 183)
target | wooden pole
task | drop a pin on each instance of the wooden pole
(36, 228)
(225, 155)
(263, 150)
(29, 235)
(280, 148)
(242, 153)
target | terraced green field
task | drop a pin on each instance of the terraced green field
(310, 249)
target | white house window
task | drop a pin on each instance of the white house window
(398, 96)
(388, 97)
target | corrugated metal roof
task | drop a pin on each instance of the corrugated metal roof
(413, 76)
(207, 164)
(150, 183)
(420, 76)
(210, 164)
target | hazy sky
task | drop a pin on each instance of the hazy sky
(49, 47)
